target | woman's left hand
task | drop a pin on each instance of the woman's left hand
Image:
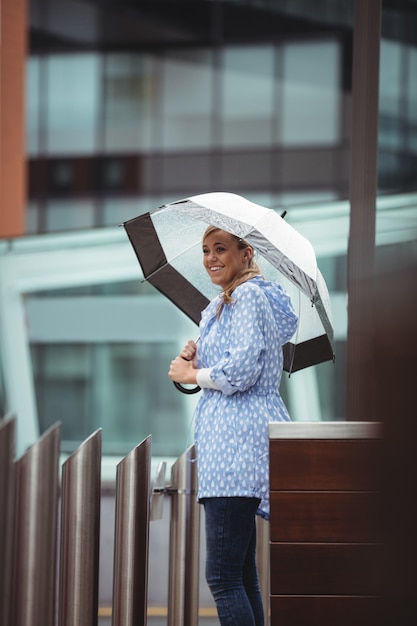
(182, 371)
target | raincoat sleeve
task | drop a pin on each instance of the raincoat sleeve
(284, 313)
(204, 379)
(243, 336)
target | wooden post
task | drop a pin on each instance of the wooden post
(363, 191)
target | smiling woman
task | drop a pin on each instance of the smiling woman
(238, 363)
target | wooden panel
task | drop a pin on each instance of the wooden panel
(315, 516)
(331, 569)
(326, 611)
(352, 465)
(327, 558)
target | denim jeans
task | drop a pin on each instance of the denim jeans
(231, 560)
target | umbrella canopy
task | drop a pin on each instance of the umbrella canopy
(168, 245)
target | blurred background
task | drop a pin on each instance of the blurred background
(130, 104)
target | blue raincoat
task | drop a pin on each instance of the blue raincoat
(244, 351)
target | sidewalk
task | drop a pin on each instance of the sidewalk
(162, 621)
(161, 618)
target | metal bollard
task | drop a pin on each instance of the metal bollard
(131, 551)
(262, 562)
(184, 557)
(80, 530)
(35, 541)
(7, 452)
(158, 492)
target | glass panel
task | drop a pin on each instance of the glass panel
(3, 399)
(390, 77)
(69, 215)
(130, 93)
(331, 380)
(32, 218)
(32, 105)
(390, 94)
(72, 103)
(412, 99)
(187, 100)
(248, 96)
(121, 388)
(306, 197)
(311, 98)
(115, 211)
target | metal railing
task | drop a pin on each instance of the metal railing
(80, 533)
(184, 557)
(7, 497)
(130, 578)
(48, 520)
(35, 532)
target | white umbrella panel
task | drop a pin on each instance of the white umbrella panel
(167, 243)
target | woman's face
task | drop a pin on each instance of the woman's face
(222, 258)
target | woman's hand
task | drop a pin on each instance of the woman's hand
(189, 351)
(183, 371)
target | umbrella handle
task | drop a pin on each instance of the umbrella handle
(187, 390)
(195, 389)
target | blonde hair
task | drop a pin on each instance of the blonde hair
(242, 276)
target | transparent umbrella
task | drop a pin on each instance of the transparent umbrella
(168, 245)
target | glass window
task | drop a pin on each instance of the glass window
(306, 197)
(115, 211)
(186, 101)
(3, 402)
(412, 100)
(72, 103)
(69, 215)
(390, 77)
(130, 93)
(32, 218)
(33, 69)
(121, 388)
(247, 108)
(310, 93)
(331, 381)
(390, 95)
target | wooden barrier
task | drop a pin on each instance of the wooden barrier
(326, 533)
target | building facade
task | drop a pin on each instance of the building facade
(131, 104)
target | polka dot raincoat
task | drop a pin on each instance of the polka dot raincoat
(243, 349)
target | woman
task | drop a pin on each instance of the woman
(238, 364)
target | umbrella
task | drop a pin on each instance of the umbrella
(167, 243)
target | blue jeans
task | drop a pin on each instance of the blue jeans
(231, 560)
